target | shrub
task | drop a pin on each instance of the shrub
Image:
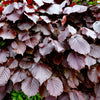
(19, 95)
(50, 47)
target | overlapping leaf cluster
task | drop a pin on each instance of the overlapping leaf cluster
(52, 48)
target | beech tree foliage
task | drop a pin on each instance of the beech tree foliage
(50, 47)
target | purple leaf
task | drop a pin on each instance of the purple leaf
(24, 25)
(54, 9)
(32, 17)
(97, 91)
(2, 24)
(54, 86)
(76, 95)
(41, 28)
(18, 5)
(25, 63)
(95, 51)
(37, 57)
(57, 45)
(8, 9)
(17, 87)
(23, 36)
(33, 41)
(14, 17)
(57, 59)
(45, 47)
(18, 47)
(90, 61)
(48, 1)
(2, 92)
(4, 75)
(11, 53)
(96, 26)
(89, 33)
(18, 76)
(3, 56)
(7, 33)
(79, 44)
(46, 19)
(39, 2)
(29, 10)
(50, 98)
(62, 36)
(75, 8)
(41, 72)
(92, 75)
(12, 63)
(71, 78)
(30, 86)
(63, 96)
(76, 61)
(72, 30)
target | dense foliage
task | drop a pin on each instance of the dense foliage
(50, 47)
(19, 95)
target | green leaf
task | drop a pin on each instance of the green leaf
(14, 94)
(14, 98)
(20, 97)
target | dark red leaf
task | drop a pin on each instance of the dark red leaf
(3, 56)
(50, 98)
(46, 49)
(48, 1)
(72, 30)
(26, 63)
(42, 28)
(89, 33)
(76, 61)
(90, 61)
(76, 95)
(33, 41)
(2, 24)
(4, 75)
(95, 51)
(25, 25)
(29, 1)
(96, 26)
(63, 96)
(46, 19)
(63, 35)
(23, 36)
(79, 44)
(28, 9)
(72, 79)
(14, 16)
(7, 33)
(18, 76)
(97, 91)
(1, 9)
(58, 58)
(12, 63)
(54, 86)
(39, 2)
(93, 75)
(18, 47)
(54, 9)
(30, 86)
(58, 47)
(32, 17)
(8, 9)
(75, 8)
(64, 19)
(41, 72)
